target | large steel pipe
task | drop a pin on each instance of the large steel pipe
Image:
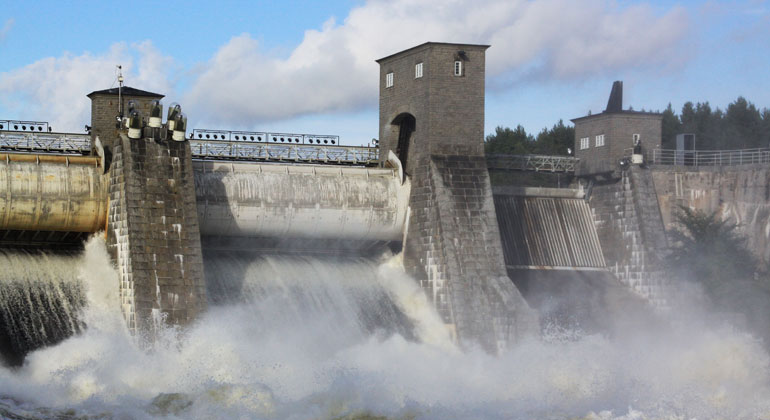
(268, 200)
(58, 193)
(52, 193)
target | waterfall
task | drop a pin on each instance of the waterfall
(340, 297)
(40, 296)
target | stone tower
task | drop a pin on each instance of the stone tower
(152, 226)
(432, 118)
(105, 109)
(432, 101)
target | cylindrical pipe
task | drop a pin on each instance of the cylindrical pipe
(68, 193)
(264, 200)
(52, 193)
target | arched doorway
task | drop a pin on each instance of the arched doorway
(406, 125)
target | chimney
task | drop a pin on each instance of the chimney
(615, 103)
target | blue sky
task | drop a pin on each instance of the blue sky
(309, 67)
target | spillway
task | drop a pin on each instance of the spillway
(40, 296)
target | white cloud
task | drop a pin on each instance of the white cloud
(55, 89)
(6, 29)
(334, 69)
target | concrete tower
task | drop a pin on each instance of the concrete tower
(432, 118)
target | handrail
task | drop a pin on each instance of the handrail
(537, 163)
(69, 143)
(299, 153)
(705, 157)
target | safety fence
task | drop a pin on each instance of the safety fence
(705, 157)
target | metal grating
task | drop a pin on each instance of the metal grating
(537, 163)
(298, 153)
(548, 233)
(45, 142)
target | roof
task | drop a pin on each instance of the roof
(432, 43)
(627, 112)
(615, 105)
(127, 91)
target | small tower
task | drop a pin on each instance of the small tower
(432, 119)
(106, 109)
(602, 140)
(432, 101)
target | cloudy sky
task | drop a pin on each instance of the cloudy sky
(308, 66)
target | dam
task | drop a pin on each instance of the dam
(150, 270)
(165, 198)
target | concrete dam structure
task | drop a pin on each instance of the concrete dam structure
(484, 257)
(162, 198)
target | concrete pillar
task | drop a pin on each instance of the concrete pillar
(153, 233)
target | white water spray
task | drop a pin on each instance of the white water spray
(290, 338)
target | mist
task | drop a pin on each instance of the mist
(293, 340)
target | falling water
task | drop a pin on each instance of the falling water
(39, 297)
(297, 338)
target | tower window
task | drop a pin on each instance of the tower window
(599, 140)
(389, 80)
(418, 70)
(458, 68)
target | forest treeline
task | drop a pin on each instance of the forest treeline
(740, 126)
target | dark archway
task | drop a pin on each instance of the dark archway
(406, 125)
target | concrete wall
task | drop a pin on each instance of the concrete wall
(453, 249)
(153, 233)
(631, 232)
(268, 200)
(740, 194)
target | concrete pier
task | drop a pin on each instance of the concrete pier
(153, 233)
(432, 119)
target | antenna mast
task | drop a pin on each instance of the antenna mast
(120, 91)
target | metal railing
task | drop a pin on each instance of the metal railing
(537, 163)
(265, 137)
(299, 153)
(705, 157)
(45, 142)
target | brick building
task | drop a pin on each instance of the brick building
(105, 109)
(432, 101)
(602, 140)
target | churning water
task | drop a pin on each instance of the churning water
(301, 338)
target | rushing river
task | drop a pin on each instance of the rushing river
(305, 338)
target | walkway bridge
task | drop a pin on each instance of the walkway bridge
(246, 146)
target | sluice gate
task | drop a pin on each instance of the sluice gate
(268, 200)
(54, 193)
(547, 229)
